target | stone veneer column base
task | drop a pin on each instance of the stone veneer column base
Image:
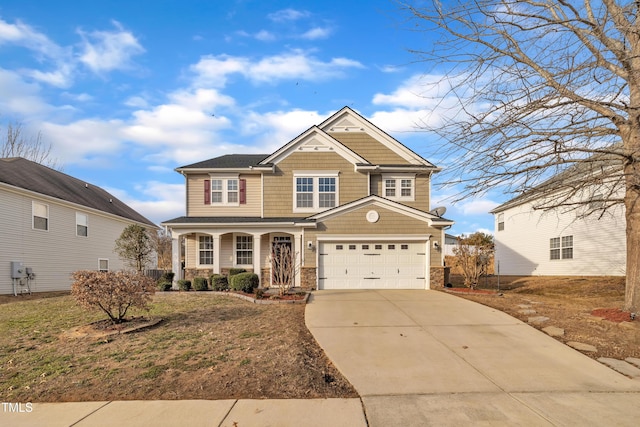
(439, 276)
(308, 278)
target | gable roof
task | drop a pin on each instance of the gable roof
(27, 175)
(428, 217)
(604, 164)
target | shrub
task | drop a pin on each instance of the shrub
(234, 271)
(200, 284)
(184, 285)
(219, 282)
(259, 293)
(167, 276)
(112, 292)
(165, 286)
(245, 282)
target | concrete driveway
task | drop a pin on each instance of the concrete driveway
(421, 358)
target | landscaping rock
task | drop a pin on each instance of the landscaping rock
(524, 305)
(582, 346)
(621, 366)
(527, 311)
(554, 331)
(537, 319)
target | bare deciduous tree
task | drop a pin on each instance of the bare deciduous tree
(473, 254)
(162, 246)
(283, 262)
(16, 144)
(541, 88)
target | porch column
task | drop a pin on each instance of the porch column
(257, 258)
(298, 250)
(176, 265)
(216, 253)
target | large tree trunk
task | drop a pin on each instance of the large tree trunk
(632, 205)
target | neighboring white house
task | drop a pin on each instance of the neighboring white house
(568, 240)
(53, 224)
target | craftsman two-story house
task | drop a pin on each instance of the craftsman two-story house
(351, 202)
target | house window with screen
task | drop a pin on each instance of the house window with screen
(82, 224)
(399, 187)
(561, 247)
(103, 264)
(205, 250)
(315, 193)
(40, 216)
(500, 222)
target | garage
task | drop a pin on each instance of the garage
(372, 265)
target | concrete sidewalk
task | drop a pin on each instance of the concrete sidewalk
(192, 413)
(428, 358)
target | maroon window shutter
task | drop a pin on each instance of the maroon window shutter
(207, 191)
(243, 191)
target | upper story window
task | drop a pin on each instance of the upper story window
(500, 221)
(225, 191)
(398, 187)
(40, 216)
(315, 191)
(82, 224)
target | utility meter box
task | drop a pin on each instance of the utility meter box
(17, 270)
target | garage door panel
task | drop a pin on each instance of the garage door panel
(372, 265)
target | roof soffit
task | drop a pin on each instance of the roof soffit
(314, 140)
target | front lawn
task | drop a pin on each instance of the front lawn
(206, 347)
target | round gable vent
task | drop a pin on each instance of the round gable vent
(373, 216)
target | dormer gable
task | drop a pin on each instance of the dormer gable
(314, 139)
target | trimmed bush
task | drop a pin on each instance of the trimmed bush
(219, 282)
(184, 285)
(165, 286)
(200, 284)
(234, 271)
(245, 282)
(167, 277)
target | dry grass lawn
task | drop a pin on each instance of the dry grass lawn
(206, 347)
(568, 302)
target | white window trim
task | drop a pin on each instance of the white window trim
(225, 190)
(198, 251)
(235, 250)
(100, 260)
(78, 223)
(33, 215)
(398, 180)
(316, 189)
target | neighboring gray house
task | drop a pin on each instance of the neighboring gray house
(53, 224)
(575, 239)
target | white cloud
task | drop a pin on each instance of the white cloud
(316, 33)
(478, 206)
(265, 36)
(288, 15)
(20, 98)
(157, 201)
(76, 141)
(278, 127)
(109, 50)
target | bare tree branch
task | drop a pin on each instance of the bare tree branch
(16, 144)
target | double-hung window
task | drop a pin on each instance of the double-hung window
(205, 250)
(399, 187)
(40, 216)
(224, 191)
(82, 224)
(315, 191)
(244, 250)
(561, 247)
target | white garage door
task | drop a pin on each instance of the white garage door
(372, 265)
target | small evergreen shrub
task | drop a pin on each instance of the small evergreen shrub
(200, 284)
(167, 277)
(245, 282)
(219, 282)
(184, 285)
(165, 286)
(234, 271)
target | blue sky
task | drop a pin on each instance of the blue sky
(126, 91)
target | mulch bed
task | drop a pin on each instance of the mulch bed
(612, 314)
(469, 291)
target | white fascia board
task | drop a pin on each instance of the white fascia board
(371, 237)
(318, 133)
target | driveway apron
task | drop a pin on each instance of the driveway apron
(429, 358)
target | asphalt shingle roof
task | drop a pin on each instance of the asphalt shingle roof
(28, 175)
(228, 161)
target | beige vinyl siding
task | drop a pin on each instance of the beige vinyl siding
(421, 191)
(389, 224)
(54, 254)
(195, 198)
(278, 188)
(369, 148)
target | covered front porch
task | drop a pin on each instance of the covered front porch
(214, 249)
